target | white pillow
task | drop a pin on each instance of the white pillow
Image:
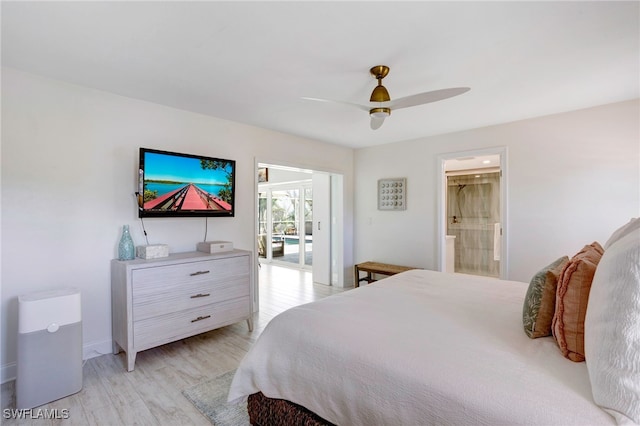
(630, 226)
(612, 330)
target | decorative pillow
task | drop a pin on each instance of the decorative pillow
(612, 330)
(540, 300)
(572, 296)
(628, 227)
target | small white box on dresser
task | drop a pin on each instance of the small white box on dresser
(152, 251)
(215, 246)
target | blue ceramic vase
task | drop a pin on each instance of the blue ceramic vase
(126, 250)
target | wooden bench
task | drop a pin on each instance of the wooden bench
(377, 268)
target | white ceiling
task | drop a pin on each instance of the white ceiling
(252, 62)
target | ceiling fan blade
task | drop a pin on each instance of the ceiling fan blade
(362, 107)
(376, 123)
(427, 97)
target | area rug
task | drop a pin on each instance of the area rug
(210, 398)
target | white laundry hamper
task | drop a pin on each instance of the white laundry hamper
(49, 365)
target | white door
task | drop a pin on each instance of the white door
(321, 232)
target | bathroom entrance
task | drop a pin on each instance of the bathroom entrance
(473, 218)
(473, 213)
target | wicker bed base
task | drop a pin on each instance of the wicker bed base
(265, 411)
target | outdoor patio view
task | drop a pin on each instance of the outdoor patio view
(288, 217)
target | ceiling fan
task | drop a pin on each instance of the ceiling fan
(381, 105)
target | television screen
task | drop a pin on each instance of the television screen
(183, 185)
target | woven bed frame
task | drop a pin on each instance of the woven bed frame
(265, 411)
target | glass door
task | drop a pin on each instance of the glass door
(308, 226)
(285, 225)
(473, 218)
(264, 230)
(285, 208)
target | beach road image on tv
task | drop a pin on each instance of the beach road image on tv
(184, 183)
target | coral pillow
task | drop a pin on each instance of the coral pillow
(540, 300)
(612, 330)
(572, 296)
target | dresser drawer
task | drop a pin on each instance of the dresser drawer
(146, 279)
(158, 301)
(166, 328)
(168, 297)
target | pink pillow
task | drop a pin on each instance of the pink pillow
(574, 284)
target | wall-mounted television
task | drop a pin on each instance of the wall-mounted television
(172, 184)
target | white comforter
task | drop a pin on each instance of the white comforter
(418, 348)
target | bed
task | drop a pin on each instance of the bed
(421, 347)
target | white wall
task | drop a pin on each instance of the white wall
(573, 179)
(280, 176)
(69, 161)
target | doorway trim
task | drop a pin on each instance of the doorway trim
(337, 218)
(504, 210)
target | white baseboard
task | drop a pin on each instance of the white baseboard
(95, 349)
(90, 350)
(8, 372)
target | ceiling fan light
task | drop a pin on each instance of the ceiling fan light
(380, 94)
(380, 113)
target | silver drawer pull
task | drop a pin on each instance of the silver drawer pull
(201, 318)
(193, 274)
(195, 296)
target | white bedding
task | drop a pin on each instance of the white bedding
(418, 348)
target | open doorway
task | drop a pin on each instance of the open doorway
(299, 220)
(472, 212)
(285, 222)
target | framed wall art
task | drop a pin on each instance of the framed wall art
(263, 174)
(392, 194)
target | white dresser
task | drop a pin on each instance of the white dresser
(157, 301)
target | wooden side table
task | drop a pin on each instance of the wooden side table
(377, 268)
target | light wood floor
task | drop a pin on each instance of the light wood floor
(151, 394)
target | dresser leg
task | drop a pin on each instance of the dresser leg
(250, 323)
(131, 360)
